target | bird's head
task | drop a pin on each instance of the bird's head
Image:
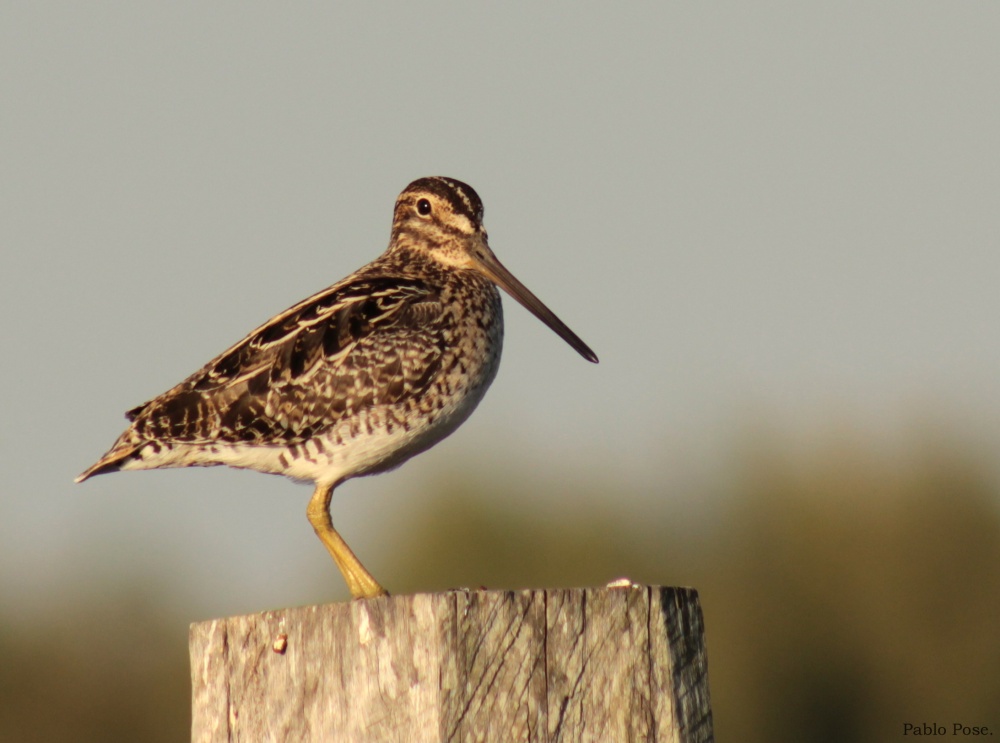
(442, 219)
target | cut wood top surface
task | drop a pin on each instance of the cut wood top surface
(601, 664)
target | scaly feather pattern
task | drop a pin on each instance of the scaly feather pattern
(374, 341)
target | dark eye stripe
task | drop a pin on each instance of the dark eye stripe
(461, 197)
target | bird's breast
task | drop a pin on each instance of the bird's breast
(383, 436)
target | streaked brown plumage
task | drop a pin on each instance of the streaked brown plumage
(355, 379)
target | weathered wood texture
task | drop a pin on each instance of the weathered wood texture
(604, 664)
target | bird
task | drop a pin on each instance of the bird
(356, 379)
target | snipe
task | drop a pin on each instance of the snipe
(356, 379)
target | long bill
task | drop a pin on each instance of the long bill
(488, 264)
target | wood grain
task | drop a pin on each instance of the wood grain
(600, 664)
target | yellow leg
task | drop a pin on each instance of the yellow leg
(360, 582)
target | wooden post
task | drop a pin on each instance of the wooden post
(602, 664)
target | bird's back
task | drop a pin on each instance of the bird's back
(353, 380)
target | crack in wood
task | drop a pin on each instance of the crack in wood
(557, 665)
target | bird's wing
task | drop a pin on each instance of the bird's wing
(364, 342)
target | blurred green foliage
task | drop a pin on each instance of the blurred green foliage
(114, 669)
(846, 591)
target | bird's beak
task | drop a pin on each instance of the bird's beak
(494, 270)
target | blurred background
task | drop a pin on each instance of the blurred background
(776, 224)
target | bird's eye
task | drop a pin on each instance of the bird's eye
(423, 207)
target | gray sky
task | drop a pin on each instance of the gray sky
(772, 212)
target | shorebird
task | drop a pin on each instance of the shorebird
(356, 379)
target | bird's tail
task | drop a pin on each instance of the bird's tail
(110, 462)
